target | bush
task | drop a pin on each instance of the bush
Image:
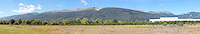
(180, 24)
(164, 24)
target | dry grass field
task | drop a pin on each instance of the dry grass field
(111, 29)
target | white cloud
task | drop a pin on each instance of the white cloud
(59, 5)
(160, 4)
(20, 4)
(197, 4)
(1, 12)
(83, 1)
(26, 8)
(39, 7)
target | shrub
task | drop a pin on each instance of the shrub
(180, 24)
(165, 23)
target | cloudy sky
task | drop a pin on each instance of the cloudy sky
(16, 7)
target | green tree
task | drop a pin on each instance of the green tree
(3, 21)
(74, 21)
(78, 20)
(32, 22)
(19, 21)
(101, 21)
(69, 21)
(107, 22)
(52, 22)
(119, 21)
(135, 20)
(84, 21)
(64, 22)
(132, 20)
(60, 23)
(40, 22)
(27, 21)
(7, 22)
(16, 23)
(56, 22)
(12, 21)
(44, 22)
(23, 22)
(115, 21)
(97, 20)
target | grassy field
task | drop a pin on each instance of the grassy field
(4, 29)
(99, 29)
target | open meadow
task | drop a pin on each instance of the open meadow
(99, 29)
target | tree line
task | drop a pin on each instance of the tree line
(98, 21)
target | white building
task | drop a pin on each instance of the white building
(171, 19)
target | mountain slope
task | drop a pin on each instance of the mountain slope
(162, 13)
(90, 13)
(190, 15)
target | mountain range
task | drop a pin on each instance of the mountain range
(93, 13)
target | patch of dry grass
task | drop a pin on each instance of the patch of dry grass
(112, 29)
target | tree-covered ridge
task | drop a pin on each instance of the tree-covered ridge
(104, 13)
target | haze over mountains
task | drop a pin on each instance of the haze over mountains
(93, 13)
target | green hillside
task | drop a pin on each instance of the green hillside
(90, 13)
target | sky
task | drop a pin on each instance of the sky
(17, 7)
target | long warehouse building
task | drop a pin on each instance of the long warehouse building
(171, 19)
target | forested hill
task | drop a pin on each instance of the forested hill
(91, 13)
